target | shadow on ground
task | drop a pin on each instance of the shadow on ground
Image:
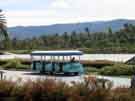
(48, 74)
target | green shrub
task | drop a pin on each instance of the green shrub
(2, 62)
(97, 63)
(14, 64)
(118, 69)
(89, 70)
(20, 51)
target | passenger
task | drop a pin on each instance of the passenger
(73, 59)
(133, 81)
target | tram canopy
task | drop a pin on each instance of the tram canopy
(57, 53)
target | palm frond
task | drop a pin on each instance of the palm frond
(3, 28)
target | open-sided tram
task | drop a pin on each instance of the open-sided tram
(57, 62)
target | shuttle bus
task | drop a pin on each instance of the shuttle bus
(57, 62)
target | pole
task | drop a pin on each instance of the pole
(79, 59)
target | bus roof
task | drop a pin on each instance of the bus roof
(57, 53)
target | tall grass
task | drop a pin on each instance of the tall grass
(50, 90)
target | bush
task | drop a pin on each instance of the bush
(118, 69)
(50, 90)
(122, 94)
(2, 62)
(97, 63)
(89, 70)
(14, 64)
(20, 51)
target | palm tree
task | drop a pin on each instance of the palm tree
(3, 27)
(87, 31)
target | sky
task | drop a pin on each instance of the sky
(47, 12)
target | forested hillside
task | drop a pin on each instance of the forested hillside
(122, 41)
(21, 32)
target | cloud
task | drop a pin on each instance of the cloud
(39, 12)
(11, 2)
(59, 4)
(36, 17)
(29, 17)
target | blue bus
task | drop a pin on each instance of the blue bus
(57, 62)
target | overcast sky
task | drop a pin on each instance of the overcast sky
(46, 12)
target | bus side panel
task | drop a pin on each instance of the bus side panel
(73, 68)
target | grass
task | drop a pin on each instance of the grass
(91, 70)
(20, 51)
(14, 64)
(97, 63)
(117, 69)
(16, 51)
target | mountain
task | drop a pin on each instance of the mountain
(22, 32)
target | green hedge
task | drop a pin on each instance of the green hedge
(96, 63)
(14, 64)
(20, 51)
(118, 69)
(91, 70)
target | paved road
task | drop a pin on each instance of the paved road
(27, 75)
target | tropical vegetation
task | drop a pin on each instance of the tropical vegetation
(4, 37)
(118, 69)
(16, 64)
(122, 41)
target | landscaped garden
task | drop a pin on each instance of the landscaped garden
(91, 67)
(16, 64)
(118, 69)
